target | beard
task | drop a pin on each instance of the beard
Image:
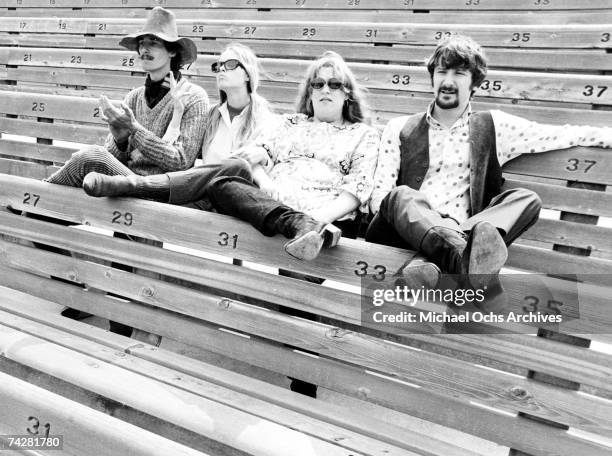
(443, 103)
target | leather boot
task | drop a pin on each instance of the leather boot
(156, 187)
(478, 256)
(308, 236)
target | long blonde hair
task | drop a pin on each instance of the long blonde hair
(355, 108)
(257, 111)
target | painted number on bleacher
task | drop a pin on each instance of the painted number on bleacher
(590, 90)
(541, 2)
(34, 425)
(127, 62)
(101, 27)
(363, 270)
(96, 112)
(52, 2)
(575, 162)
(251, 2)
(309, 31)
(496, 86)
(300, 2)
(408, 2)
(75, 59)
(249, 30)
(38, 107)
(353, 2)
(403, 79)
(224, 240)
(605, 37)
(124, 2)
(61, 25)
(27, 57)
(371, 33)
(120, 218)
(19, 2)
(472, 2)
(524, 37)
(22, 25)
(440, 35)
(31, 198)
(197, 28)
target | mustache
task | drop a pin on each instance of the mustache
(448, 87)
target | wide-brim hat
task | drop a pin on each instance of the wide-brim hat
(162, 24)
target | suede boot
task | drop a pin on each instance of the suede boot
(478, 256)
(308, 236)
(156, 187)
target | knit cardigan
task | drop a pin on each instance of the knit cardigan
(147, 153)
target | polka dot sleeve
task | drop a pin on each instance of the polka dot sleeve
(387, 168)
(516, 136)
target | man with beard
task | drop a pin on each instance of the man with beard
(438, 178)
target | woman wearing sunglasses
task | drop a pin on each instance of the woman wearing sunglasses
(314, 168)
(321, 165)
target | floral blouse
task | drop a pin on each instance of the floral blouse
(313, 162)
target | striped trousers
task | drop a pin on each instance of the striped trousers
(85, 161)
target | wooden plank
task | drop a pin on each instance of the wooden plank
(84, 431)
(476, 420)
(349, 347)
(595, 270)
(567, 59)
(499, 84)
(562, 198)
(249, 433)
(582, 164)
(55, 107)
(312, 429)
(25, 169)
(325, 4)
(593, 238)
(528, 35)
(199, 230)
(59, 131)
(243, 385)
(347, 15)
(35, 151)
(330, 303)
(389, 104)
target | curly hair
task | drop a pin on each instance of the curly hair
(355, 108)
(459, 51)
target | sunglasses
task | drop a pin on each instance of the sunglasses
(230, 64)
(333, 83)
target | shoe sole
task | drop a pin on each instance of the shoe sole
(488, 254)
(308, 246)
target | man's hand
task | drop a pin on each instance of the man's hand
(270, 189)
(121, 122)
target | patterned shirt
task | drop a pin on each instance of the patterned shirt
(447, 181)
(313, 162)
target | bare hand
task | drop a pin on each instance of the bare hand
(108, 112)
(255, 155)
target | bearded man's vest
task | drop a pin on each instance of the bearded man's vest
(485, 172)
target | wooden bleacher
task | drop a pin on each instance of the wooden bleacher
(217, 384)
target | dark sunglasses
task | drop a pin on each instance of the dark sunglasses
(333, 83)
(230, 64)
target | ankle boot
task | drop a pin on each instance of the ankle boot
(308, 236)
(482, 253)
(156, 187)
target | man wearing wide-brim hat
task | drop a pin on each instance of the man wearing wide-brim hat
(144, 137)
(159, 126)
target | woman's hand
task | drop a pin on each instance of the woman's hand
(178, 97)
(255, 155)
